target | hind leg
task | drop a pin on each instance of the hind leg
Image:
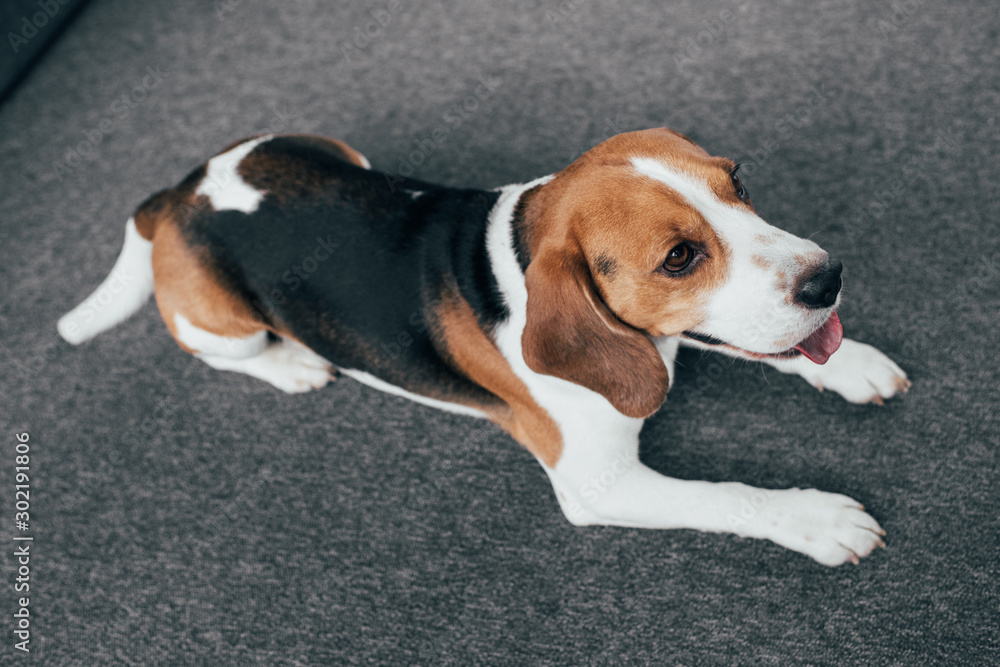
(286, 364)
(217, 325)
(289, 366)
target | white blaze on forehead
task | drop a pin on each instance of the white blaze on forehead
(223, 185)
(738, 227)
(752, 309)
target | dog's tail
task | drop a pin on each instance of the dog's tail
(123, 292)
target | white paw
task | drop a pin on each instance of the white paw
(859, 373)
(294, 369)
(828, 527)
(299, 379)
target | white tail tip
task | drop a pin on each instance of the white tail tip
(123, 292)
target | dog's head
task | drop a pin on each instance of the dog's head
(647, 235)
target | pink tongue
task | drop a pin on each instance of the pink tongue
(824, 341)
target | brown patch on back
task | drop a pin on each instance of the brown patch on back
(282, 177)
(479, 359)
(764, 239)
(342, 150)
(285, 177)
(351, 155)
(760, 262)
(336, 146)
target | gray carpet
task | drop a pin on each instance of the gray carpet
(187, 516)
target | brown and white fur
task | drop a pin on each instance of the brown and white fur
(554, 308)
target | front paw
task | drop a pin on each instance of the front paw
(828, 527)
(859, 373)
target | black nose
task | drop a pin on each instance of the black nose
(820, 289)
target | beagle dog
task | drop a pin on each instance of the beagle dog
(553, 308)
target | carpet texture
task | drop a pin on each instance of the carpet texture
(184, 515)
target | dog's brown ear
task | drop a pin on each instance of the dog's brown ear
(571, 334)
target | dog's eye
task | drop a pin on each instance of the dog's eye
(741, 192)
(679, 258)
